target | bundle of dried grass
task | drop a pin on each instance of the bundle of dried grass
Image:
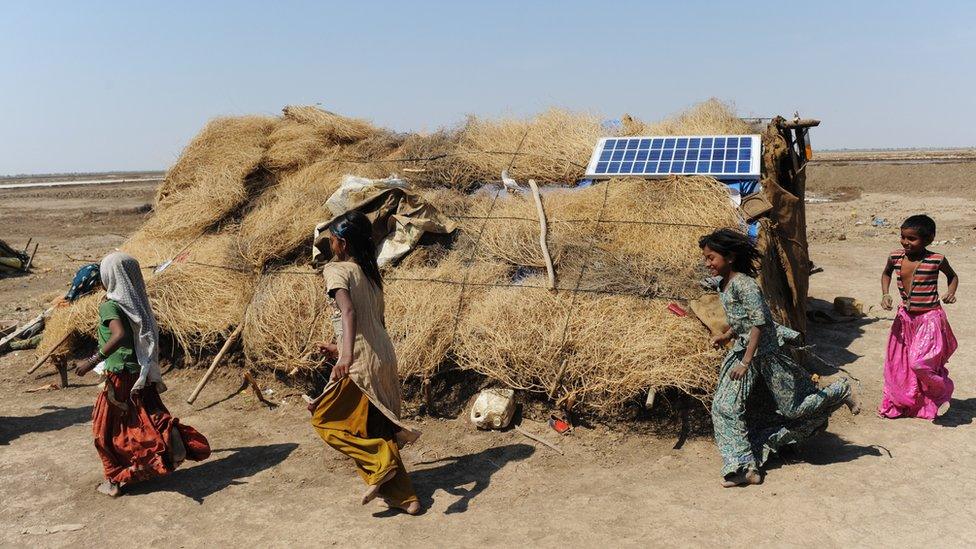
(287, 318)
(201, 299)
(434, 159)
(613, 347)
(647, 243)
(79, 318)
(220, 156)
(421, 315)
(557, 145)
(706, 118)
(284, 218)
(308, 134)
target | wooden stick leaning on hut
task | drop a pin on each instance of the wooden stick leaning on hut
(543, 234)
(47, 355)
(213, 365)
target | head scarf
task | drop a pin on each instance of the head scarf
(124, 285)
(84, 282)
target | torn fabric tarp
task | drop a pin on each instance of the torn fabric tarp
(399, 217)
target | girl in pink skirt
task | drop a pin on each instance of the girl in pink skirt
(916, 381)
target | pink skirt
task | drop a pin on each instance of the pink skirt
(916, 381)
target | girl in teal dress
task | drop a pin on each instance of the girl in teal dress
(746, 437)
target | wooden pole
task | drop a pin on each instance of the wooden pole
(538, 439)
(213, 366)
(47, 355)
(558, 378)
(543, 234)
(31, 260)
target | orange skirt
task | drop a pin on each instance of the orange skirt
(140, 442)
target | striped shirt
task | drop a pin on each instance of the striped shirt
(923, 295)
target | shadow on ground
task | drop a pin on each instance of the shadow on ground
(56, 419)
(831, 340)
(453, 473)
(211, 476)
(826, 449)
(961, 412)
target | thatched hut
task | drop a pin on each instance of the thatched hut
(238, 208)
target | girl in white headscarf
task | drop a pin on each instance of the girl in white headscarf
(135, 435)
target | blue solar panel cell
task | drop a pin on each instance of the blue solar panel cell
(719, 156)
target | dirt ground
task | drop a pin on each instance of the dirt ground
(271, 481)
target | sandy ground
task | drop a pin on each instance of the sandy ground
(271, 481)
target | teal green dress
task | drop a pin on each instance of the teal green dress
(124, 358)
(749, 425)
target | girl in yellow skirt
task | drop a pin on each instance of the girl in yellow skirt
(358, 412)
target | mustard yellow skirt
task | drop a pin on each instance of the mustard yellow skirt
(347, 422)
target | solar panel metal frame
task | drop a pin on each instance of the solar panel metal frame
(753, 172)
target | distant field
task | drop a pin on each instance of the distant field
(897, 156)
(95, 178)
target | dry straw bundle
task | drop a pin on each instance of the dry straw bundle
(286, 319)
(307, 134)
(553, 147)
(421, 315)
(708, 117)
(613, 347)
(284, 217)
(203, 298)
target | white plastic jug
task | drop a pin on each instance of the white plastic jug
(493, 409)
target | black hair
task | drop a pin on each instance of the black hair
(922, 224)
(354, 227)
(732, 243)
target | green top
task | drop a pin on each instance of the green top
(124, 357)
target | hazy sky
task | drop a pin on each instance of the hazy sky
(90, 86)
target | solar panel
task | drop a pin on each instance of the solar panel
(719, 156)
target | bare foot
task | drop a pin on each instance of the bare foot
(943, 409)
(412, 508)
(751, 476)
(109, 488)
(853, 403)
(374, 489)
